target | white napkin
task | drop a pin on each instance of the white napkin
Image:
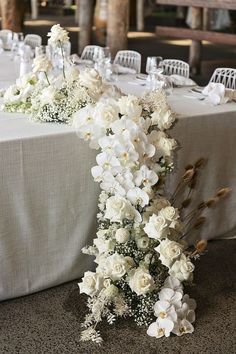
(217, 93)
(77, 60)
(119, 69)
(178, 80)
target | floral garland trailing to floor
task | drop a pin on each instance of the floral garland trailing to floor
(142, 259)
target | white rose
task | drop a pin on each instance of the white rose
(182, 269)
(116, 266)
(118, 208)
(169, 213)
(163, 119)
(129, 106)
(141, 282)
(143, 243)
(111, 291)
(169, 251)
(41, 63)
(157, 227)
(104, 245)
(58, 35)
(122, 235)
(165, 146)
(90, 79)
(106, 113)
(12, 95)
(48, 95)
(91, 283)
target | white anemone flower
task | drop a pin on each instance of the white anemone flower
(145, 177)
(171, 296)
(138, 197)
(164, 309)
(160, 328)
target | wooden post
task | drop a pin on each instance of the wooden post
(12, 14)
(85, 23)
(140, 15)
(117, 25)
(195, 48)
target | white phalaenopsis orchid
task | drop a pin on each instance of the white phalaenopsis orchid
(160, 328)
(171, 296)
(145, 177)
(164, 309)
(138, 197)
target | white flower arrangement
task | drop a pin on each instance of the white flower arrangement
(17, 98)
(141, 258)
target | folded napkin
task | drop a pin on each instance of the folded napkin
(77, 60)
(119, 69)
(217, 93)
(178, 80)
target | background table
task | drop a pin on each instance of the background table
(49, 200)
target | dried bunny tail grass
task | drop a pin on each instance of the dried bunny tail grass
(201, 206)
(199, 222)
(211, 202)
(201, 246)
(200, 162)
(223, 192)
(186, 203)
(188, 175)
(188, 167)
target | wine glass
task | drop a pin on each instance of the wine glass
(154, 65)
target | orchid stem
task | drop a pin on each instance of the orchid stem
(47, 78)
(63, 61)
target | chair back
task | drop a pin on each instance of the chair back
(129, 59)
(176, 67)
(225, 76)
(89, 51)
(33, 40)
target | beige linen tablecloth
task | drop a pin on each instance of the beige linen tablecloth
(48, 205)
(49, 200)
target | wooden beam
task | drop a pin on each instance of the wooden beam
(198, 35)
(215, 4)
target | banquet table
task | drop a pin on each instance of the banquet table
(49, 200)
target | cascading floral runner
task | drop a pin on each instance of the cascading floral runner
(142, 260)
